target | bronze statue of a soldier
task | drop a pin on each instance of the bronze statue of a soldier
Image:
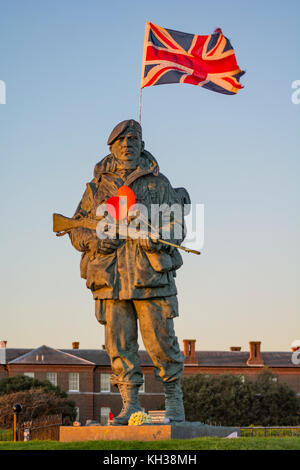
(133, 279)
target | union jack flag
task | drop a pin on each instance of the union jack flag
(174, 57)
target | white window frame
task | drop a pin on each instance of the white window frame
(142, 387)
(54, 375)
(104, 416)
(72, 381)
(105, 387)
(29, 374)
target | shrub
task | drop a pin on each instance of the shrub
(35, 404)
(38, 399)
(229, 401)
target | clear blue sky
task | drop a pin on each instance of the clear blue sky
(72, 71)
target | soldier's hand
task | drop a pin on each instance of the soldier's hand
(148, 244)
(108, 245)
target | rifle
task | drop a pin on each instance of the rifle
(63, 225)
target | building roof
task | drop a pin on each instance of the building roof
(222, 358)
(239, 359)
(278, 359)
(99, 357)
(96, 356)
(14, 353)
(46, 355)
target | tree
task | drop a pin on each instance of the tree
(20, 383)
(276, 403)
(38, 399)
(35, 404)
(230, 401)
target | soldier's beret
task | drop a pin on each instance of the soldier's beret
(129, 124)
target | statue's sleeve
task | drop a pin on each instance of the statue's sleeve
(84, 239)
(172, 227)
(84, 208)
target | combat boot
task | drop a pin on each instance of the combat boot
(173, 402)
(122, 390)
(131, 403)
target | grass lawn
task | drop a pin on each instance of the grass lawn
(204, 443)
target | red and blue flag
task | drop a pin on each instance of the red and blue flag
(174, 57)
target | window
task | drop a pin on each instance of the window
(29, 374)
(105, 382)
(73, 382)
(142, 387)
(52, 377)
(104, 412)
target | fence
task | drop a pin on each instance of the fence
(46, 428)
(270, 431)
(6, 435)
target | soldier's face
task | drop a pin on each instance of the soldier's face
(127, 147)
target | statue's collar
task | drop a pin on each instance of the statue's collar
(147, 164)
(111, 180)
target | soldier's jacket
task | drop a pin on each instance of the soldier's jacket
(129, 272)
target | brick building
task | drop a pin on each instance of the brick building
(84, 373)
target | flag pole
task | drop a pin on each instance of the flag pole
(147, 28)
(140, 106)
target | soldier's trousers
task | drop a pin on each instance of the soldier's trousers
(157, 330)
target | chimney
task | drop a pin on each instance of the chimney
(189, 351)
(235, 348)
(255, 358)
(75, 345)
(3, 352)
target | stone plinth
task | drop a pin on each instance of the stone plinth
(191, 430)
(152, 432)
(112, 433)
